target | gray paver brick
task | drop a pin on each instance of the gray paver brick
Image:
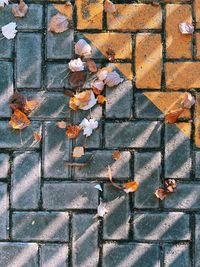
(161, 226)
(6, 48)
(131, 255)
(29, 60)
(85, 240)
(197, 240)
(6, 87)
(177, 153)
(18, 254)
(147, 174)
(119, 104)
(3, 211)
(45, 226)
(116, 221)
(4, 165)
(13, 139)
(25, 192)
(132, 134)
(197, 165)
(56, 150)
(177, 255)
(62, 195)
(56, 77)
(97, 168)
(54, 255)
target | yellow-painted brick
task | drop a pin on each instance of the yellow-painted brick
(197, 35)
(197, 120)
(182, 75)
(197, 13)
(125, 69)
(135, 17)
(178, 45)
(148, 60)
(89, 14)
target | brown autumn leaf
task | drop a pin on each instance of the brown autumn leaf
(37, 137)
(91, 65)
(116, 155)
(80, 100)
(161, 193)
(20, 10)
(66, 9)
(58, 23)
(109, 7)
(68, 92)
(61, 124)
(170, 185)
(173, 115)
(77, 79)
(110, 54)
(78, 152)
(130, 187)
(111, 179)
(72, 131)
(19, 120)
(30, 105)
(17, 101)
(101, 99)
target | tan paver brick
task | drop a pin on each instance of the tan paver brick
(197, 36)
(197, 13)
(148, 60)
(135, 17)
(177, 44)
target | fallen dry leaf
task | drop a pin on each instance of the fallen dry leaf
(97, 87)
(84, 100)
(91, 65)
(3, 3)
(66, 9)
(88, 126)
(161, 193)
(76, 65)
(111, 179)
(116, 155)
(186, 28)
(170, 185)
(72, 131)
(109, 7)
(58, 23)
(130, 187)
(173, 115)
(68, 92)
(113, 79)
(9, 30)
(82, 48)
(110, 54)
(30, 105)
(20, 10)
(19, 120)
(78, 152)
(37, 137)
(61, 124)
(77, 79)
(101, 99)
(17, 101)
(188, 101)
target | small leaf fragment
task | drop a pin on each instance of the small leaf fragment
(188, 101)
(17, 101)
(98, 187)
(37, 137)
(9, 30)
(30, 106)
(109, 7)
(110, 54)
(58, 23)
(78, 152)
(88, 126)
(130, 187)
(91, 65)
(101, 99)
(116, 155)
(186, 28)
(19, 120)
(111, 179)
(61, 124)
(173, 115)
(160, 193)
(77, 79)
(72, 131)
(20, 10)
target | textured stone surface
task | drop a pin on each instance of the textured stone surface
(4, 165)
(3, 211)
(177, 255)
(54, 255)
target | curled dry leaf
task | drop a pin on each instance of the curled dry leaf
(101, 210)
(103, 73)
(84, 100)
(161, 193)
(72, 131)
(17, 101)
(37, 137)
(101, 99)
(76, 65)
(3, 3)
(66, 9)
(188, 101)
(91, 65)
(82, 48)
(113, 79)
(61, 124)
(20, 10)
(116, 155)
(186, 28)
(173, 115)
(130, 187)
(110, 54)
(97, 86)
(78, 152)
(9, 30)
(58, 23)
(88, 126)
(77, 79)
(109, 7)
(19, 120)
(111, 179)
(170, 185)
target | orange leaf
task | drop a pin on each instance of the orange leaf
(172, 116)
(161, 193)
(111, 180)
(101, 99)
(37, 137)
(58, 23)
(80, 100)
(19, 120)
(72, 131)
(116, 155)
(61, 124)
(130, 187)
(66, 9)
(30, 106)
(78, 152)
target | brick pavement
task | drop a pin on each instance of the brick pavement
(47, 210)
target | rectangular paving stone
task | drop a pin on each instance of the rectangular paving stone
(197, 164)
(59, 46)
(98, 167)
(63, 195)
(33, 20)
(19, 254)
(89, 14)
(197, 240)
(25, 181)
(134, 17)
(197, 121)
(29, 60)
(4, 165)
(161, 226)
(6, 48)
(148, 60)
(177, 255)
(197, 13)
(197, 39)
(85, 250)
(4, 220)
(147, 173)
(119, 104)
(130, 255)
(132, 134)
(116, 221)
(54, 255)
(186, 197)
(177, 44)
(182, 75)
(57, 76)
(56, 149)
(44, 226)
(177, 150)
(6, 88)
(13, 139)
